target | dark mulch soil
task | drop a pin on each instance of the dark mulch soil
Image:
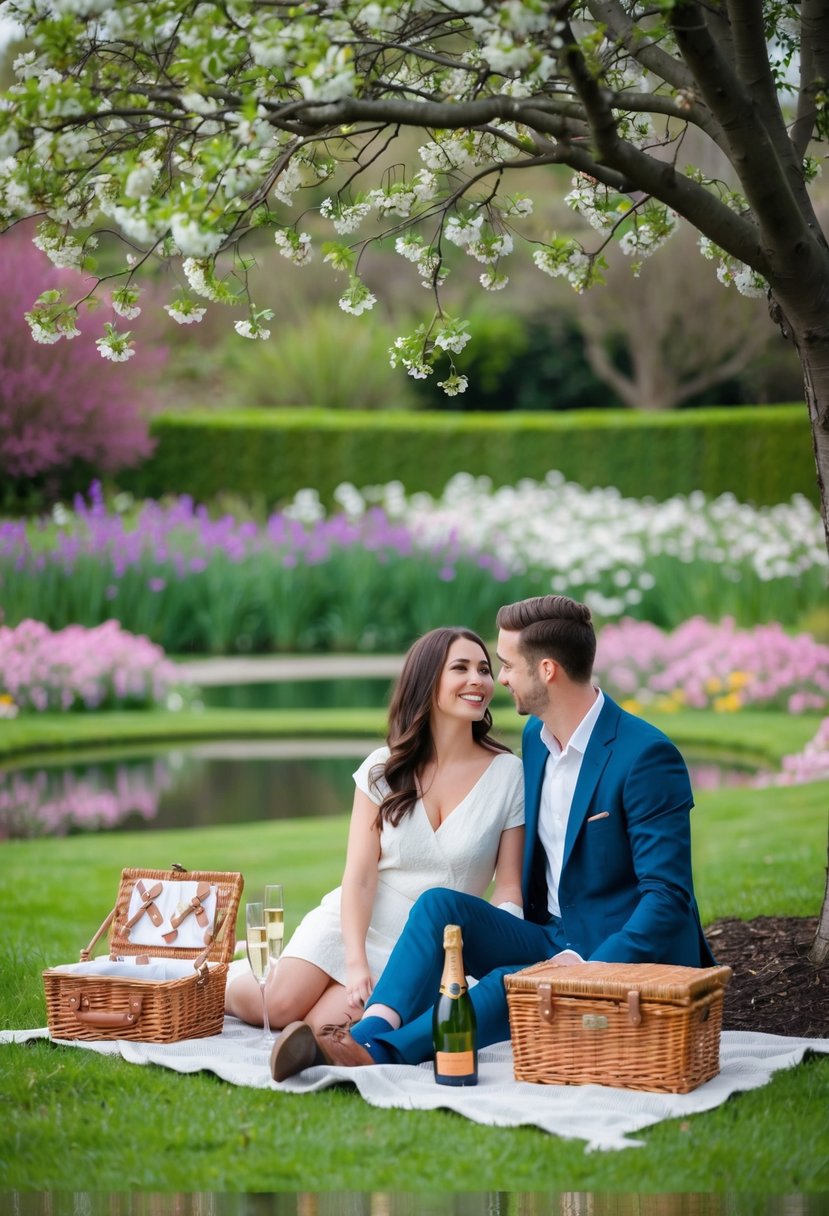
(774, 988)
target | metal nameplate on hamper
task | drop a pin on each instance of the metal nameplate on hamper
(648, 1026)
(146, 988)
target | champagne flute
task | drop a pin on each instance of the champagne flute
(274, 920)
(256, 939)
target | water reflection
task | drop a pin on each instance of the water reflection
(363, 1203)
(208, 784)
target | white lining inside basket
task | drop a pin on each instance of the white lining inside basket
(128, 968)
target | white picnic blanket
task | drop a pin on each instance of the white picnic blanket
(603, 1117)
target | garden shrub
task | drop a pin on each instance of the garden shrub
(762, 455)
(64, 411)
(81, 669)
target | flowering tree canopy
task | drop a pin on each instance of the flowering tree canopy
(187, 127)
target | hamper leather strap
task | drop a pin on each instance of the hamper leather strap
(545, 1004)
(147, 904)
(194, 907)
(104, 1018)
(545, 1001)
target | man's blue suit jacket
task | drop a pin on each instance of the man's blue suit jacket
(626, 892)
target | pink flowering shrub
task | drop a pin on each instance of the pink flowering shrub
(812, 764)
(702, 665)
(61, 404)
(78, 668)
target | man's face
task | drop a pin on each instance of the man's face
(524, 682)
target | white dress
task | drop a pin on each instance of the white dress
(461, 855)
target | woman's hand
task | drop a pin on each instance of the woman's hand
(358, 985)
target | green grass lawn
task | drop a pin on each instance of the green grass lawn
(74, 1121)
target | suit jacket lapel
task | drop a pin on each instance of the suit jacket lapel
(534, 755)
(599, 751)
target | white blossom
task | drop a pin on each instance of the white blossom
(184, 313)
(288, 182)
(493, 280)
(330, 79)
(250, 329)
(357, 300)
(461, 231)
(191, 239)
(453, 385)
(141, 179)
(294, 246)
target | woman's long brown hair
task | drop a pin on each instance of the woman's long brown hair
(409, 737)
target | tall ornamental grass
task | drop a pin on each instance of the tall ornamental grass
(385, 567)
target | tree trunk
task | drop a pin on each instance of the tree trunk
(819, 952)
(812, 343)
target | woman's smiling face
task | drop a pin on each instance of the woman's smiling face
(466, 684)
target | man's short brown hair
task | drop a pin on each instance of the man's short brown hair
(553, 627)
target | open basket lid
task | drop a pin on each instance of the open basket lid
(654, 981)
(175, 913)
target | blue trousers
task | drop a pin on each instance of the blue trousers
(494, 944)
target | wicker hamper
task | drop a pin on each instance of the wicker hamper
(112, 1006)
(635, 1026)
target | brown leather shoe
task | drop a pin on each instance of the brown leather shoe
(298, 1048)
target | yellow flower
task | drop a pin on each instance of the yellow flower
(632, 705)
(728, 704)
(739, 679)
(713, 684)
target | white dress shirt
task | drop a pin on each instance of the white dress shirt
(561, 772)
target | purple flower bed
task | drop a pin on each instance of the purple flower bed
(195, 583)
(77, 668)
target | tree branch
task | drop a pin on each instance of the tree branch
(732, 232)
(814, 71)
(753, 68)
(751, 151)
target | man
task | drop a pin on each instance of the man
(607, 856)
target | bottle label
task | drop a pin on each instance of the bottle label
(454, 1063)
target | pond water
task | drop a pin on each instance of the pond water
(300, 694)
(205, 784)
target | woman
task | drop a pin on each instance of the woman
(441, 806)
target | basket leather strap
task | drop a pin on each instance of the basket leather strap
(545, 1004)
(194, 908)
(545, 1001)
(147, 905)
(106, 1019)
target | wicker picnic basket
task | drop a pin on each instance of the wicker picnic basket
(112, 1006)
(631, 1025)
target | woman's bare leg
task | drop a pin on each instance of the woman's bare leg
(292, 989)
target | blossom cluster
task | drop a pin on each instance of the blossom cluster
(78, 668)
(702, 665)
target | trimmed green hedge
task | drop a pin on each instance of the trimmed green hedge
(760, 454)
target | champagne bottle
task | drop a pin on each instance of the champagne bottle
(453, 1019)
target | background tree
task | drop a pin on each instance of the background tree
(64, 417)
(653, 339)
(189, 126)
